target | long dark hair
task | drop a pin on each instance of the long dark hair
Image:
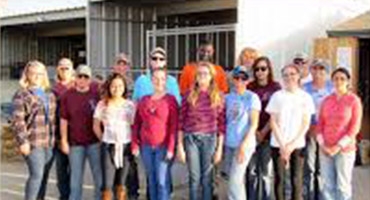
(106, 86)
(270, 76)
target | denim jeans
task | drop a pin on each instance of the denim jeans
(200, 149)
(63, 172)
(259, 173)
(311, 178)
(336, 172)
(156, 168)
(39, 162)
(109, 169)
(236, 171)
(296, 163)
(77, 158)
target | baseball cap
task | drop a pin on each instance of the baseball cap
(84, 70)
(300, 56)
(158, 50)
(322, 63)
(122, 57)
(240, 70)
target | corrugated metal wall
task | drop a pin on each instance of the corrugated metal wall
(114, 28)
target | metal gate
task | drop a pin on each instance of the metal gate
(181, 43)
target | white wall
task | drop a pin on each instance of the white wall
(280, 28)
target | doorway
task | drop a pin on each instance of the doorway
(364, 83)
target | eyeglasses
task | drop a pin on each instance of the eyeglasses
(158, 58)
(260, 69)
(289, 75)
(242, 78)
(64, 68)
(84, 76)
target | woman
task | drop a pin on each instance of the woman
(339, 123)
(64, 81)
(290, 110)
(154, 133)
(259, 173)
(202, 129)
(115, 114)
(242, 113)
(34, 125)
(245, 60)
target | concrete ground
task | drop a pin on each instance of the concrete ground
(13, 176)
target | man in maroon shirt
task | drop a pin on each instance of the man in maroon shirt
(77, 137)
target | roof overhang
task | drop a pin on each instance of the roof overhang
(358, 26)
(48, 16)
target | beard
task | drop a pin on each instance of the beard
(205, 57)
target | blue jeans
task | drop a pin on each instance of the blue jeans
(156, 168)
(311, 174)
(110, 171)
(77, 158)
(236, 171)
(63, 172)
(200, 149)
(336, 172)
(259, 173)
(39, 162)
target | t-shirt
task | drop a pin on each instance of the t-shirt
(238, 109)
(290, 108)
(306, 79)
(78, 109)
(143, 86)
(318, 96)
(264, 93)
(117, 121)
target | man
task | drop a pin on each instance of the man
(301, 59)
(143, 85)
(77, 137)
(122, 66)
(319, 88)
(205, 53)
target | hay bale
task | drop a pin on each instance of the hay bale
(365, 151)
(9, 149)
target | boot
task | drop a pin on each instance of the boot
(106, 195)
(120, 192)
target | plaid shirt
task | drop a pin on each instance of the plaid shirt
(29, 122)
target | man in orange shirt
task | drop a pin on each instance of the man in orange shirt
(205, 53)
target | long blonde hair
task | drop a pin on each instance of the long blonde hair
(24, 80)
(213, 90)
(251, 52)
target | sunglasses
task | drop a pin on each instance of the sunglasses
(158, 58)
(83, 76)
(260, 69)
(240, 78)
(318, 67)
(299, 62)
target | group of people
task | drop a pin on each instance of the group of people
(239, 124)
